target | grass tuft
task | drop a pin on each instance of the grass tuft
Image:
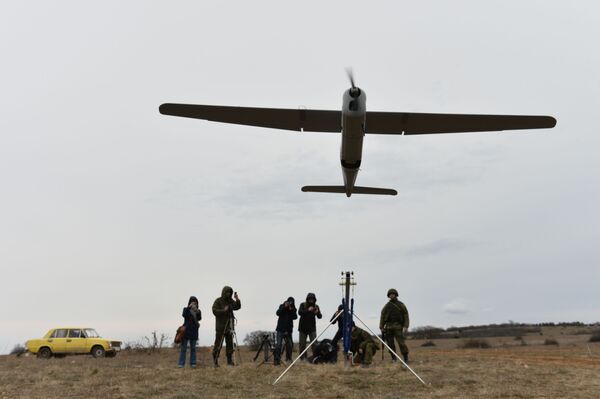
(475, 344)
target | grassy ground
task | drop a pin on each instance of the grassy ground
(507, 370)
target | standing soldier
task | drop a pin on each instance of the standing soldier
(223, 308)
(307, 326)
(364, 345)
(394, 323)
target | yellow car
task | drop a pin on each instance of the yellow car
(72, 340)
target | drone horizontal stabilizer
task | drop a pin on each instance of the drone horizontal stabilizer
(355, 190)
(374, 190)
(324, 189)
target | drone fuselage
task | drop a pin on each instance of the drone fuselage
(354, 112)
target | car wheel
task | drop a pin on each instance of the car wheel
(44, 353)
(98, 351)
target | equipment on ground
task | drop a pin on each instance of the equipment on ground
(348, 282)
(348, 302)
(267, 347)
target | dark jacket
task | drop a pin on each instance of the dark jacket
(218, 308)
(340, 320)
(307, 323)
(191, 324)
(285, 322)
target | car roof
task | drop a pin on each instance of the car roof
(71, 328)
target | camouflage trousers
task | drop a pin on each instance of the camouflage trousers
(368, 350)
(394, 332)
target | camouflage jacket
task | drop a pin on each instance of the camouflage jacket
(394, 312)
(360, 336)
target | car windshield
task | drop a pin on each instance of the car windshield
(91, 333)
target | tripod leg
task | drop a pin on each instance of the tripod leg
(258, 351)
(266, 351)
(237, 346)
(217, 352)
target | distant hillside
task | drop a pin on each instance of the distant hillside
(503, 330)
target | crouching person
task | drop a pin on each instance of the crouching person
(192, 316)
(363, 345)
(324, 352)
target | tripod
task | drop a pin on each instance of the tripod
(267, 348)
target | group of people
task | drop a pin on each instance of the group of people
(394, 322)
(223, 308)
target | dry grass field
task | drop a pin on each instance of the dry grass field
(509, 369)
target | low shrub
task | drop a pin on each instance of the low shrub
(149, 344)
(428, 343)
(550, 341)
(595, 337)
(18, 350)
(475, 344)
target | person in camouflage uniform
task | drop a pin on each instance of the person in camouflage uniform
(364, 345)
(394, 323)
(223, 308)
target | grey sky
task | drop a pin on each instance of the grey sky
(112, 215)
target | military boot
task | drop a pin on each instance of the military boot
(230, 360)
(405, 355)
(215, 360)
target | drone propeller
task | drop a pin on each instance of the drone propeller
(351, 77)
(354, 91)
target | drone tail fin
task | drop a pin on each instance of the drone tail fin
(355, 190)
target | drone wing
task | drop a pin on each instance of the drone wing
(418, 123)
(277, 118)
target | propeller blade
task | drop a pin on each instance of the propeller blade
(351, 77)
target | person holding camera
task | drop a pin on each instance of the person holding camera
(307, 326)
(223, 308)
(394, 324)
(192, 316)
(285, 326)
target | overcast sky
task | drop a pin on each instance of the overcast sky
(112, 215)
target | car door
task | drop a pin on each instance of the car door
(76, 341)
(58, 340)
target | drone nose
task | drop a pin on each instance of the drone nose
(354, 92)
